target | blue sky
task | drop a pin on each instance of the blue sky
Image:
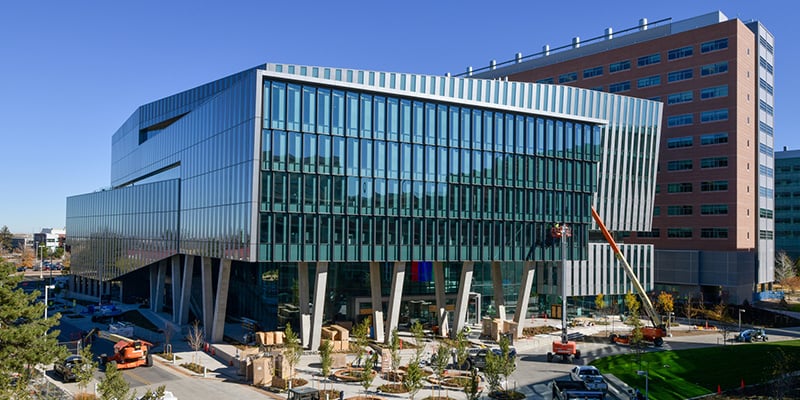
(72, 71)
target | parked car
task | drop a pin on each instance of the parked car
(67, 367)
(477, 358)
(591, 376)
(752, 335)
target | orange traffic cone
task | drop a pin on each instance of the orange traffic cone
(719, 390)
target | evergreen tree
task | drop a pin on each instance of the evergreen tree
(5, 238)
(26, 337)
(84, 373)
(114, 386)
(325, 359)
(395, 350)
(293, 349)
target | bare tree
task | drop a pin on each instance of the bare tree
(784, 267)
(196, 339)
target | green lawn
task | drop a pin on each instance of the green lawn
(688, 373)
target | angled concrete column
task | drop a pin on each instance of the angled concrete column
(208, 295)
(441, 301)
(524, 295)
(464, 286)
(321, 286)
(497, 283)
(186, 290)
(305, 311)
(396, 295)
(221, 301)
(161, 276)
(377, 303)
(175, 262)
(153, 285)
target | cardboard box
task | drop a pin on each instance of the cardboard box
(344, 334)
(279, 336)
(263, 371)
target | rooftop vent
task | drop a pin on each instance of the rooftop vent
(546, 50)
(609, 34)
(643, 24)
(576, 42)
(519, 58)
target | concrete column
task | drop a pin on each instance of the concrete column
(497, 283)
(524, 295)
(464, 287)
(176, 284)
(186, 290)
(377, 303)
(158, 303)
(441, 301)
(208, 295)
(153, 284)
(321, 286)
(221, 302)
(305, 311)
(398, 277)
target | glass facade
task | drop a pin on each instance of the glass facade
(352, 167)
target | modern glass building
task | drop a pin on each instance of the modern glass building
(302, 194)
(787, 202)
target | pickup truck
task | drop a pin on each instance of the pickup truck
(566, 389)
(591, 376)
(66, 368)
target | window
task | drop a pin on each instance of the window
(652, 234)
(680, 120)
(713, 69)
(766, 213)
(766, 65)
(679, 232)
(649, 60)
(568, 77)
(763, 127)
(683, 187)
(545, 80)
(714, 209)
(766, 86)
(619, 87)
(762, 234)
(677, 76)
(713, 92)
(766, 107)
(714, 45)
(766, 171)
(619, 66)
(674, 143)
(654, 80)
(592, 72)
(713, 138)
(714, 233)
(767, 192)
(680, 53)
(679, 210)
(713, 186)
(679, 165)
(714, 162)
(678, 98)
(714, 115)
(766, 150)
(766, 44)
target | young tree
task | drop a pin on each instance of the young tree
(361, 335)
(292, 350)
(665, 303)
(599, 302)
(440, 360)
(461, 350)
(493, 371)
(325, 359)
(419, 336)
(28, 257)
(196, 339)
(395, 351)
(784, 267)
(27, 337)
(412, 380)
(84, 373)
(368, 373)
(114, 386)
(508, 362)
(5, 239)
(473, 389)
(157, 395)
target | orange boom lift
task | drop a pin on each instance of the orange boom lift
(657, 332)
(565, 348)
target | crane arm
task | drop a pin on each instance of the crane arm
(648, 305)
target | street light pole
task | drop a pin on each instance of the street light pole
(46, 287)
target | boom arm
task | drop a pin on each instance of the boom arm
(648, 306)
